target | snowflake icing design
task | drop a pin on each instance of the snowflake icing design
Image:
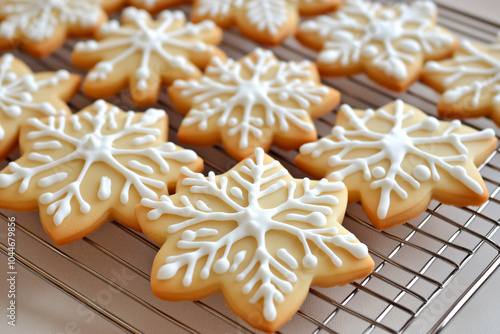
(389, 37)
(169, 38)
(16, 92)
(38, 20)
(395, 146)
(95, 147)
(271, 276)
(24, 94)
(265, 16)
(480, 66)
(248, 84)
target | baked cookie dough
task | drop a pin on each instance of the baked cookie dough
(145, 54)
(395, 159)
(470, 82)
(24, 94)
(388, 43)
(94, 166)
(265, 21)
(255, 234)
(41, 27)
(155, 6)
(253, 102)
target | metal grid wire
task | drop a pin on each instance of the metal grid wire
(415, 263)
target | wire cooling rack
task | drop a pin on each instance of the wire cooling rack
(425, 270)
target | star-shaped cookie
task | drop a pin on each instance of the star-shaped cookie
(145, 54)
(41, 27)
(396, 159)
(255, 234)
(470, 81)
(96, 165)
(24, 94)
(389, 43)
(264, 21)
(253, 102)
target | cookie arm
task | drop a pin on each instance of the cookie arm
(317, 7)
(329, 101)
(77, 30)
(64, 90)
(463, 108)
(224, 19)
(41, 49)
(257, 24)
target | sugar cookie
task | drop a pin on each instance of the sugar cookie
(264, 21)
(253, 102)
(396, 159)
(390, 44)
(24, 94)
(41, 27)
(255, 234)
(143, 54)
(470, 81)
(91, 167)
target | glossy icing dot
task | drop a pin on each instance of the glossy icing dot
(422, 173)
(378, 172)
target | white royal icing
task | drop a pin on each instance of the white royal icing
(104, 192)
(37, 20)
(395, 146)
(166, 41)
(265, 15)
(16, 93)
(273, 278)
(481, 65)
(94, 147)
(214, 8)
(389, 36)
(291, 83)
